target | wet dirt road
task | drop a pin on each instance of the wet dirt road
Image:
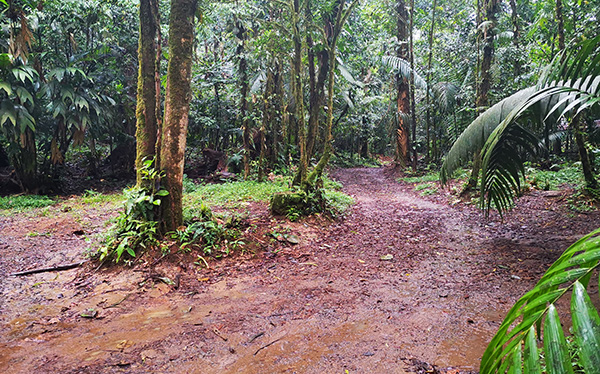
(401, 277)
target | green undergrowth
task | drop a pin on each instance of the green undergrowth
(231, 194)
(346, 160)
(19, 203)
(566, 174)
(95, 197)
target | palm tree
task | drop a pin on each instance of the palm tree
(506, 132)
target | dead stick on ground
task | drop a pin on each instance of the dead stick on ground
(265, 346)
(118, 302)
(44, 270)
(218, 333)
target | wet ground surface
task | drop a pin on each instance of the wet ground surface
(404, 280)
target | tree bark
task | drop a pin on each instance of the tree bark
(403, 99)
(561, 28)
(177, 105)
(243, 72)
(586, 165)
(485, 82)
(516, 36)
(427, 96)
(146, 110)
(491, 8)
(413, 112)
(301, 175)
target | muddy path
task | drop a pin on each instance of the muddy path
(402, 279)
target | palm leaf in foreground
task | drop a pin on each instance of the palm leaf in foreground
(516, 336)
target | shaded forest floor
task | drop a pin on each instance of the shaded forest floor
(402, 283)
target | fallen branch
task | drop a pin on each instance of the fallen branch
(265, 346)
(45, 270)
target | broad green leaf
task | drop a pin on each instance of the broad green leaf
(532, 357)
(6, 87)
(558, 360)
(586, 326)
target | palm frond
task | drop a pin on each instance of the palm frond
(402, 67)
(477, 133)
(569, 96)
(515, 345)
(445, 94)
(502, 166)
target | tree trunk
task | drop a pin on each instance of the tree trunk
(491, 8)
(146, 110)
(340, 20)
(561, 28)
(427, 96)
(403, 87)
(25, 162)
(301, 175)
(413, 112)
(177, 105)
(485, 82)
(243, 71)
(516, 36)
(586, 165)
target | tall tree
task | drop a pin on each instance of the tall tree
(413, 111)
(402, 87)
(177, 105)
(429, 62)
(147, 90)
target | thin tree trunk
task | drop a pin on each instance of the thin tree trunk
(412, 89)
(561, 28)
(177, 104)
(25, 162)
(146, 90)
(243, 71)
(586, 165)
(516, 36)
(301, 175)
(340, 20)
(491, 8)
(427, 96)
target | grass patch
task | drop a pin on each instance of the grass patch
(552, 180)
(427, 189)
(433, 176)
(26, 202)
(338, 201)
(95, 197)
(232, 194)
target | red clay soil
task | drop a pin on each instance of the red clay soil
(403, 284)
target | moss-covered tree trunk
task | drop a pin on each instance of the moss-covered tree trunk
(146, 109)
(337, 26)
(485, 81)
(316, 86)
(301, 175)
(177, 105)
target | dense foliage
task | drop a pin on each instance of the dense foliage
(68, 79)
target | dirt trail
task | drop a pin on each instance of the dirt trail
(326, 305)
